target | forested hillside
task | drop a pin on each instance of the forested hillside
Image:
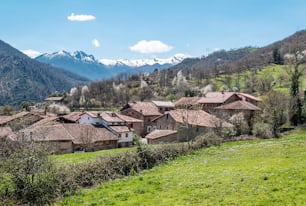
(24, 79)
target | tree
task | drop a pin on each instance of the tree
(295, 70)
(275, 107)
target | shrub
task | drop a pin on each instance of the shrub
(207, 140)
(262, 130)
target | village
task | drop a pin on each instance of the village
(154, 122)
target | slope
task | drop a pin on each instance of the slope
(24, 79)
(260, 172)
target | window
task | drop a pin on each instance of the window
(197, 129)
(127, 135)
(131, 125)
(159, 126)
(167, 116)
(119, 135)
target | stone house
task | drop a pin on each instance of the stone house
(145, 111)
(56, 137)
(162, 136)
(89, 138)
(189, 122)
(111, 121)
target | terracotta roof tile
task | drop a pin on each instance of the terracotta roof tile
(160, 133)
(81, 133)
(120, 129)
(73, 116)
(187, 101)
(196, 117)
(128, 118)
(110, 117)
(239, 105)
(216, 97)
(146, 108)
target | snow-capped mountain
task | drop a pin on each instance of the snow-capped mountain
(143, 62)
(88, 66)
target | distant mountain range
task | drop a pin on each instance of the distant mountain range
(24, 79)
(88, 66)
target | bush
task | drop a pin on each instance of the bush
(262, 130)
(207, 140)
(31, 174)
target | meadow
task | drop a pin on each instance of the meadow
(257, 172)
(79, 157)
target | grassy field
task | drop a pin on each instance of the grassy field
(261, 172)
(79, 157)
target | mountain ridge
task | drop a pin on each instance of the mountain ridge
(87, 65)
(24, 79)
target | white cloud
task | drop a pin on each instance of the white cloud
(95, 42)
(31, 53)
(80, 17)
(150, 47)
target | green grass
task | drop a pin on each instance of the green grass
(281, 85)
(79, 157)
(260, 172)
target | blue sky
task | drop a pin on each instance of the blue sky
(130, 29)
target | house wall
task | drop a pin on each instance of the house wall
(165, 139)
(125, 137)
(147, 120)
(165, 122)
(60, 147)
(137, 126)
(107, 144)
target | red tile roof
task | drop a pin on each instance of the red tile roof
(216, 97)
(46, 133)
(73, 116)
(121, 129)
(128, 118)
(160, 133)
(6, 119)
(187, 101)
(86, 132)
(249, 96)
(239, 105)
(146, 108)
(195, 117)
(110, 117)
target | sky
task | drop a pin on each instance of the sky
(133, 29)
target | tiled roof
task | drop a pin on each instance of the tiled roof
(128, 118)
(196, 117)
(73, 116)
(46, 133)
(187, 101)
(163, 104)
(239, 105)
(110, 117)
(6, 119)
(216, 97)
(85, 132)
(160, 133)
(146, 108)
(249, 96)
(120, 129)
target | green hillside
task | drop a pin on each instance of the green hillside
(261, 172)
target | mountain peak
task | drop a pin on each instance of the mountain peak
(177, 58)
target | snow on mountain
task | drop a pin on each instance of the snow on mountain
(82, 56)
(143, 62)
(77, 55)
